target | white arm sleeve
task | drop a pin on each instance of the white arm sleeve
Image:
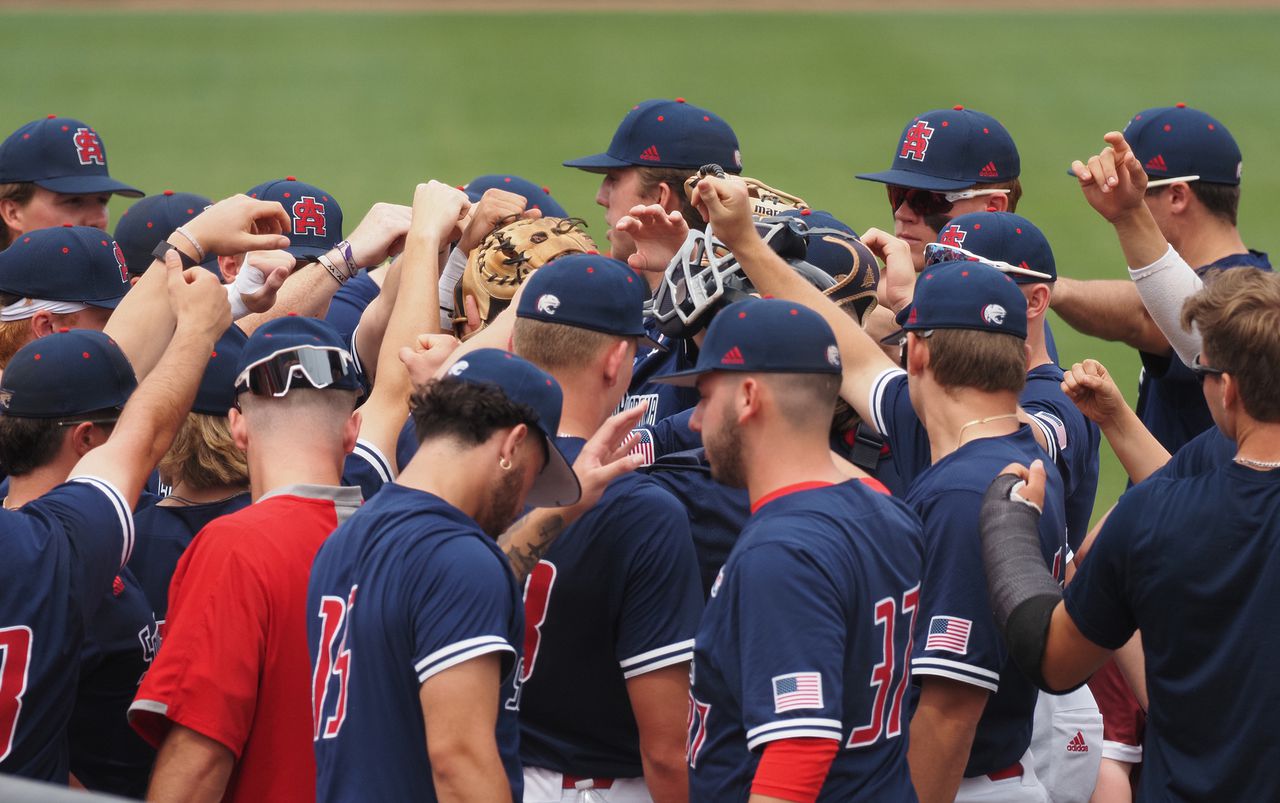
(449, 279)
(1164, 286)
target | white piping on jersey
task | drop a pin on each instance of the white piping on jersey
(968, 679)
(372, 455)
(122, 512)
(459, 652)
(645, 656)
(877, 397)
(799, 722)
(977, 670)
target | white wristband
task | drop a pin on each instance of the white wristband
(449, 278)
(248, 281)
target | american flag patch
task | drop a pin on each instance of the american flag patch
(948, 633)
(797, 690)
(643, 445)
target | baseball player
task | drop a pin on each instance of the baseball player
(612, 607)
(221, 701)
(419, 563)
(52, 172)
(655, 148)
(1170, 559)
(972, 723)
(66, 545)
(1193, 192)
(800, 660)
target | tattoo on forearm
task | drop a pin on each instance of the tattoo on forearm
(526, 541)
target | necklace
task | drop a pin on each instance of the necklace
(979, 422)
(1244, 461)
(191, 502)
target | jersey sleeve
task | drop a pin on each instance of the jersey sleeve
(895, 419)
(460, 606)
(99, 526)
(206, 673)
(662, 600)
(792, 647)
(366, 468)
(956, 636)
(1097, 598)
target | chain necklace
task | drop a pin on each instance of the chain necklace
(979, 422)
(1244, 461)
(182, 500)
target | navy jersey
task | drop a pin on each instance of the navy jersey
(1206, 451)
(673, 434)
(895, 419)
(717, 513)
(349, 303)
(664, 400)
(956, 634)
(366, 468)
(807, 635)
(107, 755)
(406, 444)
(1073, 445)
(164, 533)
(406, 588)
(1170, 401)
(616, 596)
(61, 553)
(1193, 564)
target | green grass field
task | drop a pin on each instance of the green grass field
(368, 105)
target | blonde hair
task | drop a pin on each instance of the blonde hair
(1238, 314)
(204, 455)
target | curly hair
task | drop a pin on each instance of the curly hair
(467, 411)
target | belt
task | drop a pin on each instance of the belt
(1014, 770)
(572, 781)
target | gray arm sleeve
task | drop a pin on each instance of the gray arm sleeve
(1023, 592)
(1164, 286)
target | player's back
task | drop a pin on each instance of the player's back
(1193, 563)
(956, 635)
(61, 552)
(615, 597)
(365, 617)
(807, 634)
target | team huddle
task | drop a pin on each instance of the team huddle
(456, 506)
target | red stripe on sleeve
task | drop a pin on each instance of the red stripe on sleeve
(794, 769)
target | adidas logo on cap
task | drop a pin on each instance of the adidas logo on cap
(732, 357)
(990, 171)
(650, 154)
(1157, 164)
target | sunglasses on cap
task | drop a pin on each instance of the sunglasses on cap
(926, 202)
(937, 253)
(1201, 370)
(274, 375)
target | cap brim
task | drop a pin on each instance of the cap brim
(645, 340)
(88, 185)
(918, 181)
(682, 379)
(598, 163)
(109, 303)
(308, 252)
(895, 339)
(557, 485)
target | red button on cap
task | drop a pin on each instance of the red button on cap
(958, 108)
(168, 192)
(290, 178)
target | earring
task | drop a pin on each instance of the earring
(504, 464)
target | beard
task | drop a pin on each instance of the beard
(724, 453)
(505, 504)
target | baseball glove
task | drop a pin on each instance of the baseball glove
(765, 200)
(506, 257)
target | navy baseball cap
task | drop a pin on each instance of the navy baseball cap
(1178, 143)
(667, 133)
(764, 335)
(314, 215)
(62, 155)
(964, 295)
(951, 149)
(217, 392)
(154, 218)
(524, 383)
(1006, 241)
(78, 264)
(588, 291)
(67, 373)
(283, 348)
(538, 197)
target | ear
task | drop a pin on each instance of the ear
(1038, 300)
(82, 439)
(42, 324)
(667, 198)
(1230, 394)
(350, 432)
(239, 429)
(1180, 197)
(615, 359)
(11, 214)
(749, 399)
(998, 202)
(917, 355)
(229, 267)
(510, 446)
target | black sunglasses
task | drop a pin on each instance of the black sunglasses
(1201, 370)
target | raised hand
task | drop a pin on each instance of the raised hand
(424, 360)
(658, 235)
(898, 279)
(726, 205)
(605, 457)
(380, 234)
(1113, 182)
(198, 300)
(494, 207)
(438, 211)
(237, 225)
(1091, 388)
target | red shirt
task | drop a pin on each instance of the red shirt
(234, 664)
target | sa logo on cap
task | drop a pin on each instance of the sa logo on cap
(994, 314)
(548, 304)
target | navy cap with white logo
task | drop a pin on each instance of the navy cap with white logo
(62, 155)
(68, 373)
(764, 335)
(1006, 241)
(588, 291)
(964, 295)
(1178, 143)
(524, 383)
(951, 149)
(315, 219)
(154, 218)
(667, 133)
(77, 264)
(538, 197)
